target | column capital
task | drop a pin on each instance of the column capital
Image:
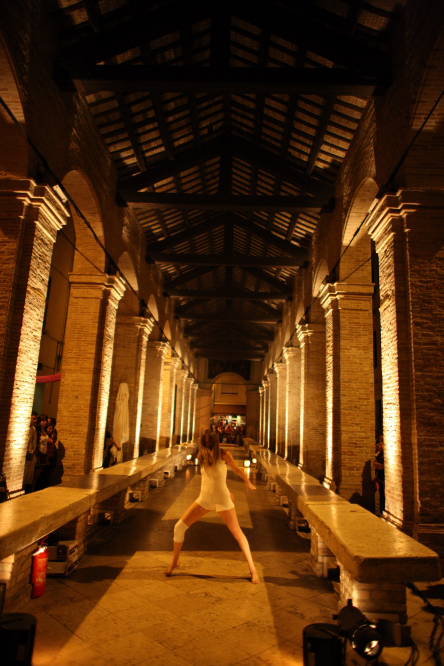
(393, 213)
(346, 295)
(291, 354)
(145, 325)
(173, 362)
(265, 383)
(261, 390)
(45, 207)
(182, 373)
(304, 331)
(279, 368)
(272, 376)
(98, 285)
(195, 387)
(190, 380)
(160, 347)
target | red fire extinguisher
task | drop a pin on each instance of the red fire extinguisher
(39, 567)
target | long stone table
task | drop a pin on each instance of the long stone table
(64, 508)
(376, 559)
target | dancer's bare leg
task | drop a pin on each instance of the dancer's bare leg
(191, 515)
(230, 519)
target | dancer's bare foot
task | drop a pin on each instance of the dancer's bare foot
(255, 578)
(171, 568)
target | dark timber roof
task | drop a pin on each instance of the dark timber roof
(228, 123)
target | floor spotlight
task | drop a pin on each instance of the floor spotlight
(361, 633)
(247, 463)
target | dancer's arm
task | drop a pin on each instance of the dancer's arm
(228, 458)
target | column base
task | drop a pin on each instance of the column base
(321, 557)
(386, 601)
(75, 530)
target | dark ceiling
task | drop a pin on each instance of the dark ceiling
(228, 123)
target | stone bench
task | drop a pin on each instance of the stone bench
(375, 558)
(64, 509)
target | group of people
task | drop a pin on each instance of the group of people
(231, 435)
(41, 453)
(378, 464)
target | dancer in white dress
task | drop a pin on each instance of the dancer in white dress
(214, 496)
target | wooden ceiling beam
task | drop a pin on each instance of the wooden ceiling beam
(232, 355)
(320, 134)
(233, 294)
(227, 260)
(241, 80)
(252, 319)
(245, 337)
(220, 203)
(262, 276)
(189, 276)
(257, 157)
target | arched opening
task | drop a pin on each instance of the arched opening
(167, 330)
(14, 152)
(46, 396)
(129, 305)
(90, 258)
(229, 400)
(360, 265)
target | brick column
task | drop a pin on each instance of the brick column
(281, 416)
(181, 376)
(408, 231)
(129, 367)
(204, 409)
(272, 404)
(186, 408)
(170, 367)
(30, 216)
(194, 390)
(292, 356)
(86, 369)
(261, 414)
(266, 419)
(313, 408)
(152, 396)
(350, 392)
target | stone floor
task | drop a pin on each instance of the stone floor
(118, 608)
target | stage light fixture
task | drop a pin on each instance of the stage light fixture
(189, 456)
(361, 633)
(254, 461)
(247, 463)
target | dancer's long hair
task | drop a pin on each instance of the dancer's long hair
(209, 454)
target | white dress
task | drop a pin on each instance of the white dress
(214, 494)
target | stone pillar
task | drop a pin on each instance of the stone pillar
(376, 600)
(350, 390)
(170, 367)
(252, 413)
(281, 400)
(203, 411)
(30, 216)
(266, 419)
(292, 356)
(261, 415)
(152, 396)
(129, 367)
(272, 404)
(408, 231)
(194, 390)
(186, 408)
(86, 369)
(313, 409)
(181, 376)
